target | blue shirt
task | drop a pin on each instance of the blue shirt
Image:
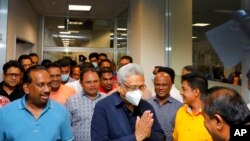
(113, 121)
(166, 114)
(81, 108)
(18, 124)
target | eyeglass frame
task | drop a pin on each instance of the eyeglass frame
(11, 75)
(128, 88)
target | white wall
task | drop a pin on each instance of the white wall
(147, 37)
(181, 24)
(146, 34)
(22, 23)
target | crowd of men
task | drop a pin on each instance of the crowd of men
(95, 100)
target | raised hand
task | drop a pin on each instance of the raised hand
(143, 126)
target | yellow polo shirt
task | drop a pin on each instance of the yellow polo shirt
(190, 126)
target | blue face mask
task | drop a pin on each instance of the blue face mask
(64, 77)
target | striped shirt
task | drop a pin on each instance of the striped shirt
(81, 108)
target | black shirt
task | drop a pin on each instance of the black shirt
(16, 94)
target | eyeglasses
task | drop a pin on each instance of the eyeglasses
(134, 87)
(12, 75)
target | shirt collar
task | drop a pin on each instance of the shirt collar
(169, 100)
(189, 110)
(138, 109)
(22, 104)
(97, 96)
(117, 99)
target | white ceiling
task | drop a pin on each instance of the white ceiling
(101, 9)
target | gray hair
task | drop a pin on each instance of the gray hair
(128, 70)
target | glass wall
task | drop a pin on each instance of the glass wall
(208, 15)
(67, 36)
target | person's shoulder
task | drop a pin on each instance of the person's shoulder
(106, 100)
(57, 106)
(182, 109)
(145, 104)
(12, 106)
(175, 101)
(67, 87)
(73, 99)
(151, 100)
(103, 95)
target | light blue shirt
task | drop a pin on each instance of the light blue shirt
(81, 108)
(18, 124)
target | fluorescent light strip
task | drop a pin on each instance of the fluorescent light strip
(79, 7)
(74, 31)
(75, 23)
(65, 32)
(69, 36)
(201, 24)
(61, 26)
(122, 29)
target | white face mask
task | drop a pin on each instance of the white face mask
(133, 97)
(64, 77)
(95, 64)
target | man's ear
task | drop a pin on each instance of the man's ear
(25, 88)
(196, 92)
(118, 86)
(219, 121)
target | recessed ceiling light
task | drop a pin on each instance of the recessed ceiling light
(201, 24)
(65, 32)
(75, 23)
(74, 31)
(122, 29)
(79, 7)
(123, 34)
(61, 26)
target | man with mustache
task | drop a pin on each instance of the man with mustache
(59, 91)
(35, 117)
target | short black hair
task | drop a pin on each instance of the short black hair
(64, 62)
(169, 71)
(12, 63)
(129, 58)
(93, 54)
(46, 63)
(27, 78)
(105, 60)
(191, 68)
(54, 65)
(86, 65)
(227, 103)
(195, 80)
(22, 57)
(33, 54)
(85, 70)
(103, 54)
(104, 70)
(75, 66)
